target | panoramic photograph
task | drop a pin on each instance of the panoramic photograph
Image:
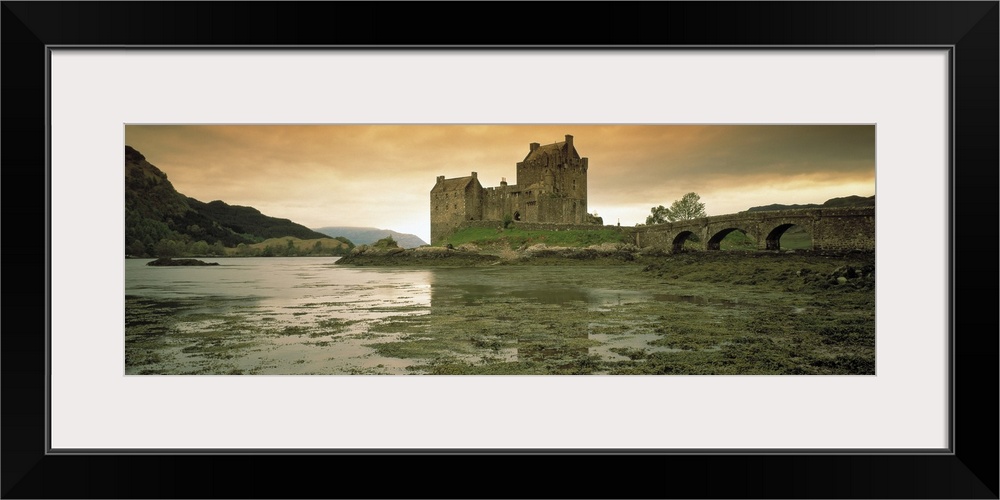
(557, 249)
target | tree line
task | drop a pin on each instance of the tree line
(167, 247)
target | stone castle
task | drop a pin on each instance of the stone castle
(551, 188)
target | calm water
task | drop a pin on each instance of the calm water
(309, 316)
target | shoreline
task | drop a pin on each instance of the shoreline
(572, 256)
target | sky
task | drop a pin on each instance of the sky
(381, 175)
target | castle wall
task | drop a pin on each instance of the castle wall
(473, 203)
(501, 201)
(532, 205)
(554, 208)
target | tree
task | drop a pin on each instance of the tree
(657, 215)
(199, 248)
(169, 248)
(217, 248)
(688, 207)
(136, 249)
(593, 219)
(386, 242)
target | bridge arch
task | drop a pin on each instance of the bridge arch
(715, 241)
(677, 245)
(773, 239)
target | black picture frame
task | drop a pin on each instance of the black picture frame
(970, 29)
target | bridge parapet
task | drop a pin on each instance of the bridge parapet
(842, 228)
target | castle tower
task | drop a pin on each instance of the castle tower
(454, 201)
(553, 180)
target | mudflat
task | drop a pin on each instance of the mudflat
(733, 313)
(726, 313)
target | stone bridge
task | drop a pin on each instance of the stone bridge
(848, 228)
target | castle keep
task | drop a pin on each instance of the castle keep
(551, 188)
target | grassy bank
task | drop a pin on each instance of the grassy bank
(514, 237)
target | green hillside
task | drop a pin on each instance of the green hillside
(160, 222)
(249, 220)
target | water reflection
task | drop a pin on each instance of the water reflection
(538, 315)
(308, 315)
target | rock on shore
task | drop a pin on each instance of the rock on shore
(167, 261)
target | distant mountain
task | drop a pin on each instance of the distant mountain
(155, 211)
(369, 235)
(847, 201)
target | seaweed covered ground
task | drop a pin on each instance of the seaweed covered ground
(544, 312)
(699, 313)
